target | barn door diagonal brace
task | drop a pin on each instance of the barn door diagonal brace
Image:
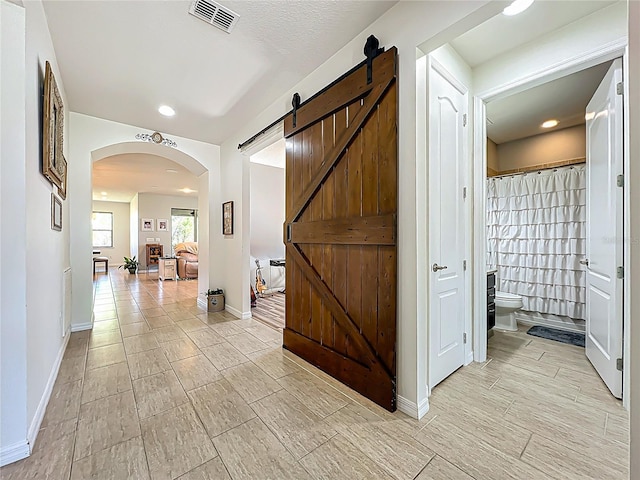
(371, 51)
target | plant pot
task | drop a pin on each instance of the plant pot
(132, 270)
(215, 303)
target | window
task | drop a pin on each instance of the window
(102, 224)
(183, 226)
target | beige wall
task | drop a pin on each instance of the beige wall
(121, 239)
(556, 146)
(492, 156)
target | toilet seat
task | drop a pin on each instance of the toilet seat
(508, 300)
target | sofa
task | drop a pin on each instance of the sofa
(187, 259)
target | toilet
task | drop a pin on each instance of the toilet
(506, 306)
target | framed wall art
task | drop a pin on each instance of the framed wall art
(56, 213)
(163, 225)
(146, 224)
(53, 165)
(227, 218)
(62, 189)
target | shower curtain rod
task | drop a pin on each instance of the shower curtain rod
(523, 171)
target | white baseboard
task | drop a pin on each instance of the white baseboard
(81, 327)
(410, 408)
(14, 452)
(237, 313)
(548, 320)
(34, 428)
(469, 358)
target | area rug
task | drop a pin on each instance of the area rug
(572, 338)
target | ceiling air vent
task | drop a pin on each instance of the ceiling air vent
(214, 14)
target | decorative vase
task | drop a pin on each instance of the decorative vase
(215, 303)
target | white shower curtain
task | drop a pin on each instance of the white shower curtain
(536, 238)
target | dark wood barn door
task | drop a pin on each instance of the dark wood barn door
(340, 230)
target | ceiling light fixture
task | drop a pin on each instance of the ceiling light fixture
(166, 110)
(549, 124)
(187, 190)
(103, 193)
(518, 6)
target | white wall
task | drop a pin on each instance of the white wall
(13, 236)
(37, 275)
(95, 138)
(492, 155)
(158, 206)
(121, 226)
(267, 211)
(566, 144)
(406, 25)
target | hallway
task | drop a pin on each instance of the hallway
(160, 389)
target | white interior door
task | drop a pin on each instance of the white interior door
(447, 146)
(604, 229)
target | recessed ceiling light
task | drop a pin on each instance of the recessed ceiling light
(166, 110)
(518, 6)
(549, 124)
(186, 190)
(171, 170)
(103, 193)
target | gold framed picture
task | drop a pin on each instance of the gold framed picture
(53, 166)
(62, 189)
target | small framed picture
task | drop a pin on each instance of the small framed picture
(146, 225)
(163, 225)
(56, 213)
(227, 218)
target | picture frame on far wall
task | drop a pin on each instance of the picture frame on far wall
(146, 225)
(56, 213)
(163, 225)
(53, 166)
(227, 218)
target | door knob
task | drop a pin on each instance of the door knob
(437, 267)
(584, 262)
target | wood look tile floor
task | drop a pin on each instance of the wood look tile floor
(162, 390)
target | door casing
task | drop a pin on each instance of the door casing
(571, 65)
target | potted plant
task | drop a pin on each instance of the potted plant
(215, 300)
(130, 264)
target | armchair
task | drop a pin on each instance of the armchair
(187, 259)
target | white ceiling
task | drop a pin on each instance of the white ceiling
(273, 156)
(564, 99)
(121, 60)
(502, 33)
(122, 176)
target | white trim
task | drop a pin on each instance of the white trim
(604, 53)
(479, 234)
(14, 452)
(201, 302)
(237, 313)
(626, 254)
(448, 76)
(469, 358)
(81, 327)
(34, 428)
(410, 408)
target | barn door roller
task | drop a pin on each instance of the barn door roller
(371, 51)
(295, 102)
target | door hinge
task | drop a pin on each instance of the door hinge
(619, 364)
(620, 88)
(620, 272)
(464, 338)
(464, 192)
(464, 120)
(620, 181)
(464, 265)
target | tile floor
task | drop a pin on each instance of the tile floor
(160, 389)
